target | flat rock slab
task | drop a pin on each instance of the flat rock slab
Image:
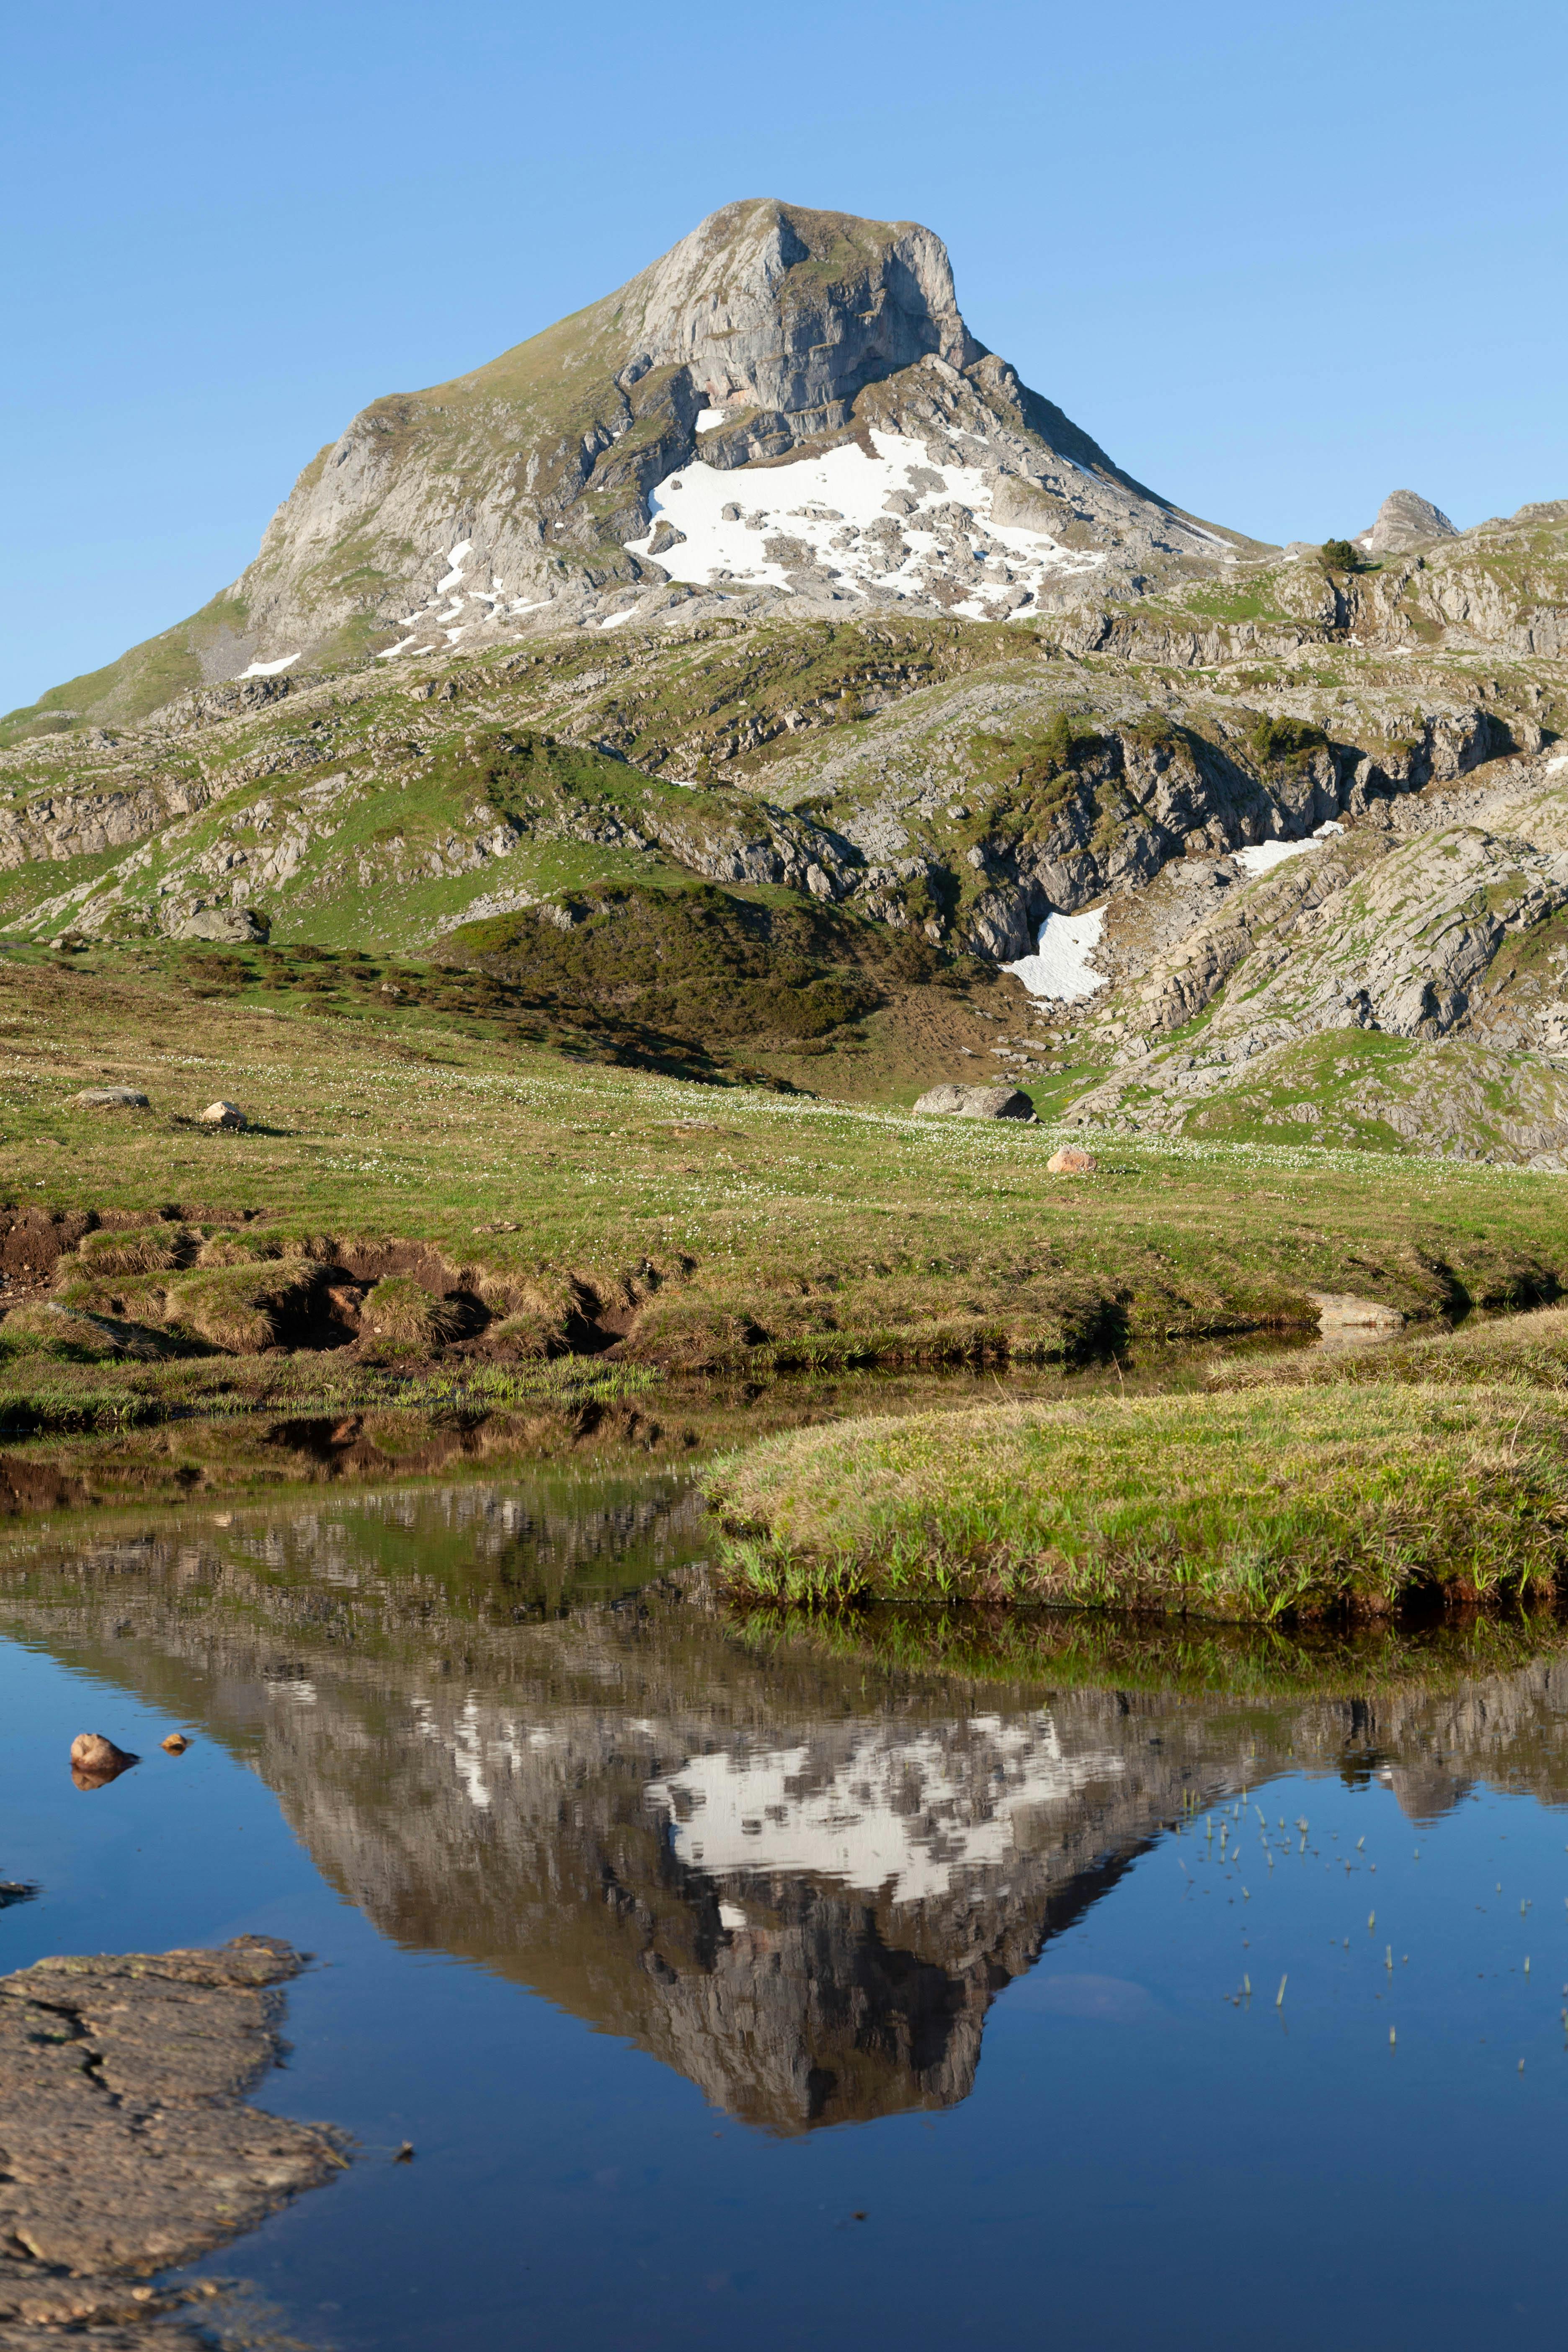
(150, 2335)
(108, 1098)
(125, 2147)
(1339, 1311)
(976, 1102)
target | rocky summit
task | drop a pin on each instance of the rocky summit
(751, 662)
(810, 371)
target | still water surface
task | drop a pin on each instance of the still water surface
(810, 1990)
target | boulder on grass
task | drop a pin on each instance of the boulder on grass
(108, 1098)
(1072, 1160)
(976, 1102)
(230, 924)
(224, 1114)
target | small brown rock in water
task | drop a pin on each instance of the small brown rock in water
(1072, 1161)
(223, 1114)
(95, 1760)
(176, 1743)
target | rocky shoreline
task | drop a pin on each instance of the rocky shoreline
(126, 2146)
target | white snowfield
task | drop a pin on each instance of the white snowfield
(268, 669)
(707, 418)
(1264, 855)
(1060, 965)
(887, 524)
(902, 1816)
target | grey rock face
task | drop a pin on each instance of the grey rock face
(84, 822)
(1405, 521)
(110, 1098)
(733, 304)
(976, 1102)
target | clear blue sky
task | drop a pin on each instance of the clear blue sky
(1279, 259)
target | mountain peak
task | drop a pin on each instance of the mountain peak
(1405, 521)
(777, 306)
(539, 490)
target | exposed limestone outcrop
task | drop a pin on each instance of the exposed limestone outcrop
(1405, 521)
(1435, 926)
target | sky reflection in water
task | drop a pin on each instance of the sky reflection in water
(675, 1948)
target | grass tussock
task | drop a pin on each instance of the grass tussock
(242, 1309)
(1266, 1505)
(261, 1248)
(46, 1332)
(403, 1311)
(154, 1249)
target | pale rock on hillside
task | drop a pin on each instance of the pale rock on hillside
(1404, 523)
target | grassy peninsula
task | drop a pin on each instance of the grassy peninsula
(1351, 1486)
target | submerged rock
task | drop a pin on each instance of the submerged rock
(1340, 1310)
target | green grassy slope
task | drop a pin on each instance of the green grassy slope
(710, 1223)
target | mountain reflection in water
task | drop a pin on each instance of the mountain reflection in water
(795, 1871)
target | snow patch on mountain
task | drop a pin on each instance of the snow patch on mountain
(900, 1817)
(890, 524)
(1262, 856)
(1060, 965)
